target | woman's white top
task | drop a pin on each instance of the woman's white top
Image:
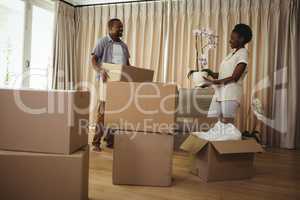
(231, 91)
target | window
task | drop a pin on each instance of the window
(26, 39)
(41, 47)
(11, 42)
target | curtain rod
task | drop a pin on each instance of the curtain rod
(67, 3)
(110, 3)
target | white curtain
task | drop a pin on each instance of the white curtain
(143, 30)
(64, 70)
(272, 56)
(290, 62)
(159, 37)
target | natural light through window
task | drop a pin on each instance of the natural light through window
(26, 43)
(11, 42)
(41, 47)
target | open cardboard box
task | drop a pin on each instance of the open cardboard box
(222, 160)
(142, 158)
(117, 72)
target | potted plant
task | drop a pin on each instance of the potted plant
(207, 41)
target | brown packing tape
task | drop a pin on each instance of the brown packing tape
(193, 144)
(239, 146)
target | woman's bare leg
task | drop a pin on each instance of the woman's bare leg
(227, 120)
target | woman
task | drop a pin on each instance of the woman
(228, 86)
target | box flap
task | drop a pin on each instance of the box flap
(125, 73)
(193, 144)
(237, 146)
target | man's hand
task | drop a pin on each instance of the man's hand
(104, 75)
(102, 72)
(98, 68)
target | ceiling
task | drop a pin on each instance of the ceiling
(88, 2)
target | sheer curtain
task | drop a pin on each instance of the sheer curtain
(159, 37)
(64, 71)
(272, 69)
(143, 30)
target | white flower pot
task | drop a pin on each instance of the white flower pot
(197, 78)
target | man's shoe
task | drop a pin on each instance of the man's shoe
(97, 149)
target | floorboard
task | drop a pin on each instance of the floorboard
(277, 178)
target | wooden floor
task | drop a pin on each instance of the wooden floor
(278, 177)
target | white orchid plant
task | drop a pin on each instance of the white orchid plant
(207, 41)
(204, 41)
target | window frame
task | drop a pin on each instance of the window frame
(27, 35)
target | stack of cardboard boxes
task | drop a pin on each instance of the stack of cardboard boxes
(143, 117)
(44, 150)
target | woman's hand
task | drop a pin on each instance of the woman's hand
(205, 85)
(191, 72)
(211, 81)
(209, 72)
(237, 73)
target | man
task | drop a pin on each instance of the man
(109, 49)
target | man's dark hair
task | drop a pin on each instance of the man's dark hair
(244, 31)
(111, 22)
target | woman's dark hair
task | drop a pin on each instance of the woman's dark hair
(244, 31)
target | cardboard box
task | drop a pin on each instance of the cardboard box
(37, 176)
(128, 73)
(142, 158)
(149, 107)
(43, 121)
(186, 125)
(194, 102)
(221, 160)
